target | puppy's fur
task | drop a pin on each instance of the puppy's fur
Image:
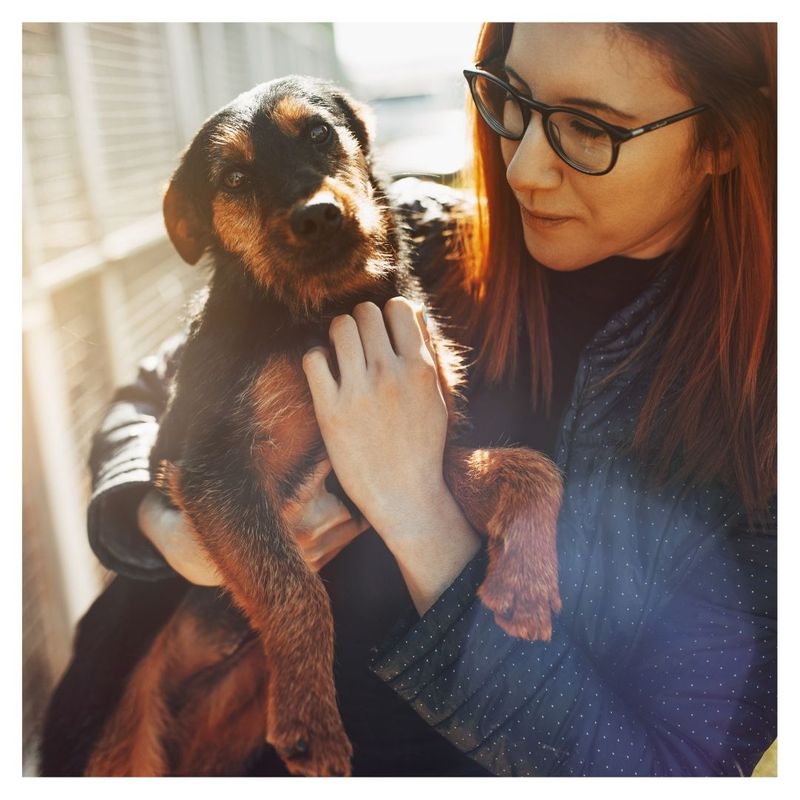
(278, 189)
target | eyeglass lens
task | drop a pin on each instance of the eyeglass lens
(573, 137)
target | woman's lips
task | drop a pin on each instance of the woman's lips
(542, 220)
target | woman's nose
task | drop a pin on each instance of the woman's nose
(532, 163)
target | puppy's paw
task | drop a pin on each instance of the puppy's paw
(522, 597)
(318, 748)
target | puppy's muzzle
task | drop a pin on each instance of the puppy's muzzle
(316, 219)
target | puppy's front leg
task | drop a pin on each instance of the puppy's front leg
(512, 496)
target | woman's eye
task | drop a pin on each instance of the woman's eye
(235, 179)
(587, 130)
(320, 134)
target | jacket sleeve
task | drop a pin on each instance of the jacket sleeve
(693, 694)
(120, 469)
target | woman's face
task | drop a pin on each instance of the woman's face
(644, 206)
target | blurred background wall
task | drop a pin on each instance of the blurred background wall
(106, 109)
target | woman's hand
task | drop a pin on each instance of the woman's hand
(172, 536)
(384, 424)
(319, 521)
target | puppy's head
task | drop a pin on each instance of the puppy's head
(280, 179)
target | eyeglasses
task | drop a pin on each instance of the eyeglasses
(585, 142)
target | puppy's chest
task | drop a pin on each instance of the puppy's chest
(281, 413)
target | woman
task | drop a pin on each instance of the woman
(618, 285)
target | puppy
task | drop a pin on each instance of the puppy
(278, 190)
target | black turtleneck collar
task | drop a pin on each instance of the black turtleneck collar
(580, 303)
(585, 298)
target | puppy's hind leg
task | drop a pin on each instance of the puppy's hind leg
(142, 737)
(132, 741)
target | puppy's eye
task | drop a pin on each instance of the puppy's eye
(320, 134)
(235, 179)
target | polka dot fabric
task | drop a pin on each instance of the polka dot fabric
(663, 660)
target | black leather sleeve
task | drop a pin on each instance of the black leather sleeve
(119, 464)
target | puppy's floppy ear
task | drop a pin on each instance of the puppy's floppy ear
(185, 226)
(360, 118)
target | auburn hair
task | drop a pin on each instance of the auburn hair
(711, 409)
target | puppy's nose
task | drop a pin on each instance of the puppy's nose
(315, 220)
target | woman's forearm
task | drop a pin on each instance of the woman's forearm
(431, 545)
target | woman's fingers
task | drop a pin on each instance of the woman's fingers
(375, 340)
(318, 551)
(346, 342)
(366, 341)
(402, 320)
(319, 521)
(320, 379)
(313, 511)
(426, 336)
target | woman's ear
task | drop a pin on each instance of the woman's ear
(187, 231)
(721, 161)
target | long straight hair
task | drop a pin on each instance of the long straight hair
(717, 359)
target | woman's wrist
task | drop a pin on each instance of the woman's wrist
(432, 543)
(396, 515)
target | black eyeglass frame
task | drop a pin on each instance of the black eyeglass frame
(616, 133)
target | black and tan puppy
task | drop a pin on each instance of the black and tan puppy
(277, 188)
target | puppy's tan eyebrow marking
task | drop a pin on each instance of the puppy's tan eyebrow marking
(290, 113)
(233, 143)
